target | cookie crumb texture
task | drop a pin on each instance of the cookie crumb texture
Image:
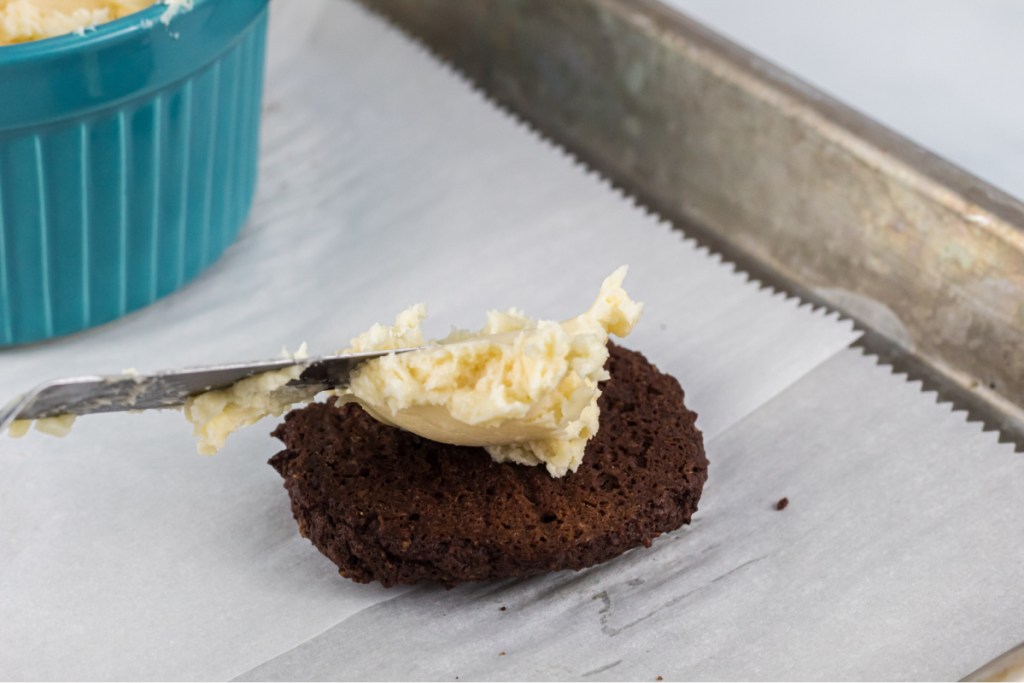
(386, 505)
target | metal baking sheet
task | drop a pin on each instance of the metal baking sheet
(799, 190)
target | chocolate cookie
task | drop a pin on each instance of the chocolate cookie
(390, 506)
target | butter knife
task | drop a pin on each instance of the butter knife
(170, 388)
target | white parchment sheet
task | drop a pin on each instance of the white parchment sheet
(894, 559)
(386, 181)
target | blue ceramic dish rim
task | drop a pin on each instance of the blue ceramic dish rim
(114, 31)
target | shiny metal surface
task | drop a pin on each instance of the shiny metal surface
(170, 388)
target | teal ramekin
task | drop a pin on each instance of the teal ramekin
(128, 160)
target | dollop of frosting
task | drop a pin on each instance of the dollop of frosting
(25, 20)
(215, 415)
(526, 390)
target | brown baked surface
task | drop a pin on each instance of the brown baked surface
(386, 505)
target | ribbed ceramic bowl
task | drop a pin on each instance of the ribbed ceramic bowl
(127, 162)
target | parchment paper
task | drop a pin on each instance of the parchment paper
(897, 557)
(386, 181)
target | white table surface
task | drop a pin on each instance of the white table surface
(948, 74)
